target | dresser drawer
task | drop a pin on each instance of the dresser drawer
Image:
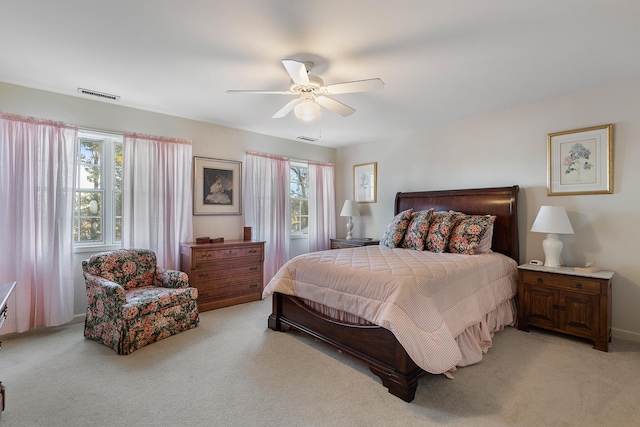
(208, 274)
(576, 283)
(206, 257)
(213, 290)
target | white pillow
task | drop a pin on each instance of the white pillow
(484, 247)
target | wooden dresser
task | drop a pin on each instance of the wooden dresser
(224, 273)
(564, 300)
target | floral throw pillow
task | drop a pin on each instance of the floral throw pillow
(417, 230)
(442, 224)
(396, 229)
(468, 233)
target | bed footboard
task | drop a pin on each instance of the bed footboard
(374, 345)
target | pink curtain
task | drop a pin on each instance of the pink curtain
(37, 172)
(322, 206)
(156, 205)
(266, 207)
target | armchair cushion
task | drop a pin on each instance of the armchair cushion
(147, 300)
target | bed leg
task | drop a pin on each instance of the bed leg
(398, 384)
(274, 322)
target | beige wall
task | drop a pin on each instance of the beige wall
(503, 148)
(509, 148)
(208, 141)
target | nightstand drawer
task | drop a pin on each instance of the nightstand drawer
(336, 245)
(576, 283)
(352, 243)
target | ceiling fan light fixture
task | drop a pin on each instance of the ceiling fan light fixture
(307, 110)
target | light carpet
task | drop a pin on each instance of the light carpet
(233, 371)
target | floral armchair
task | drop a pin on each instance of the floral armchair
(132, 303)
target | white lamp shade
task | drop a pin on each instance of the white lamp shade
(307, 110)
(350, 208)
(552, 220)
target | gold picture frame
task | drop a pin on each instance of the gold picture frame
(365, 182)
(580, 161)
(217, 187)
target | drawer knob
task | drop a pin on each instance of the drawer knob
(540, 280)
(579, 285)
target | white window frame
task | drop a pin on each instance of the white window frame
(107, 181)
(298, 235)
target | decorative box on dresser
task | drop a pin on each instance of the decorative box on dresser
(564, 300)
(352, 243)
(225, 273)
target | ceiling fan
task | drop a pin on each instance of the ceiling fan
(312, 93)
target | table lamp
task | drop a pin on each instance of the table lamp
(350, 209)
(552, 220)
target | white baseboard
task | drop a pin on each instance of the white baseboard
(78, 318)
(625, 335)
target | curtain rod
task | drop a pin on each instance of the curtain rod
(87, 129)
(137, 135)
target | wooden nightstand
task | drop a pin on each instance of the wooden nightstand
(564, 300)
(352, 243)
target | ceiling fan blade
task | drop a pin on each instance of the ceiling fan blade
(355, 86)
(264, 92)
(335, 106)
(297, 71)
(286, 109)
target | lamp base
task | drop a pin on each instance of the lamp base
(552, 247)
(349, 228)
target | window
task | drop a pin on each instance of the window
(299, 194)
(98, 204)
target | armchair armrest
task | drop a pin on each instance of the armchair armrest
(171, 278)
(100, 288)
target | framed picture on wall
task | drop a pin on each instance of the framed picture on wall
(217, 187)
(580, 161)
(364, 182)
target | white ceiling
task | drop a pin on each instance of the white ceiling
(440, 60)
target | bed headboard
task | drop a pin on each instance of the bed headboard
(499, 201)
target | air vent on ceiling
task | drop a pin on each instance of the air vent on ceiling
(307, 138)
(98, 94)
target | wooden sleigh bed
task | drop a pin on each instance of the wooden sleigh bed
(374, 345)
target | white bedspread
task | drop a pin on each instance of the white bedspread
(425, 299)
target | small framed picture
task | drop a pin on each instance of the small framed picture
(364, 182)
(580, 161)
(217, 187)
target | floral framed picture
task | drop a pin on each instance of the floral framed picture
(364, 182)
(580, 161)
(217, 187)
